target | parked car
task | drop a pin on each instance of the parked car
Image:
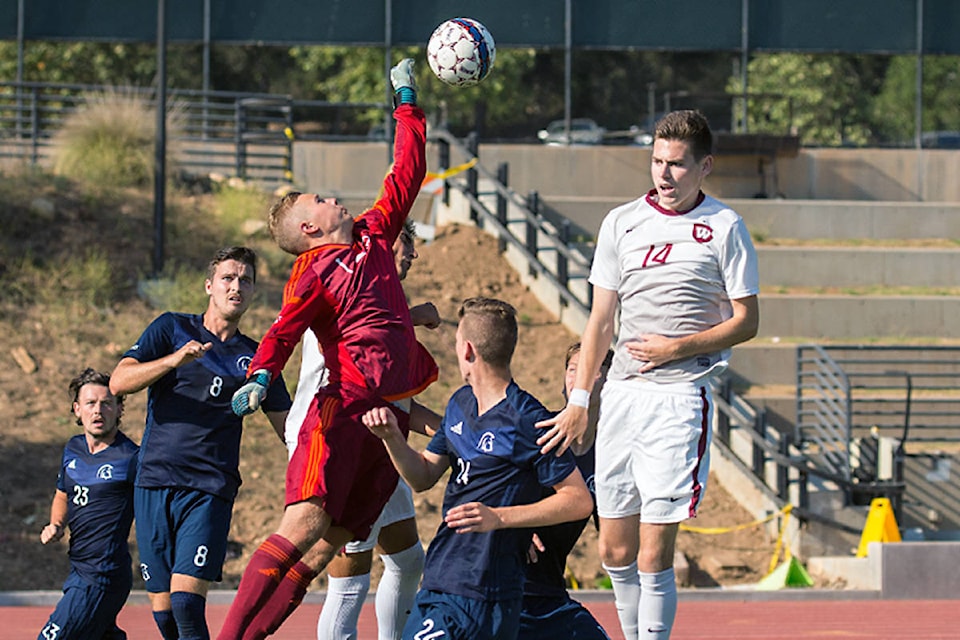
(582, 131)
(940, 140)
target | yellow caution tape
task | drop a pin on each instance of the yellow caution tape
(717, 530)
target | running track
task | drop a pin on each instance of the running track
(723, 615)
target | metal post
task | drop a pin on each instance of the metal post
(533, 203)
(472, 175)
(238, 159)
(563, 272)
(160, 164)
(567, 67)
(759, 457)
(443, 157)
(206, 65)
(783, 471)
(503, 175)
(20, 39)
(744, 60)
(35, 125)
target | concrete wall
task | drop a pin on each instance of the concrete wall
(621, 173)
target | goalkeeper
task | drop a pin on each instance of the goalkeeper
(345, 287)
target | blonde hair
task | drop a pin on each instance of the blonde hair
(284, 233)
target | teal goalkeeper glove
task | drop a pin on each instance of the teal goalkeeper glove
(404, 83)
(247, 398)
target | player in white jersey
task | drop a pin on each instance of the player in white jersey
(395, 532)
(682, 269)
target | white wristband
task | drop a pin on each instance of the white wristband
(579, 398)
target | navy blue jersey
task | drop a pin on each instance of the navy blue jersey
(545, 576)
(495, 460)
(99, 488)
(192, 436)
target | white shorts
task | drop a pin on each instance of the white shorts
(653, 450)
(399, 507)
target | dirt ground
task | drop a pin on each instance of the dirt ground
(460, 262)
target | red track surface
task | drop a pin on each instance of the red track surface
(831, 617)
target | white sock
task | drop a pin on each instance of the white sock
(341, 608)
(397, 590)
(658, 604)
(626, 593)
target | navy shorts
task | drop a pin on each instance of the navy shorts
(549, 618)
(446, 616)
(180, 531)
(87, 611)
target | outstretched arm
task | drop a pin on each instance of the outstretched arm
(420, 470)
(570, 424)
(571, 501)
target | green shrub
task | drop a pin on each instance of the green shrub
(109, 141)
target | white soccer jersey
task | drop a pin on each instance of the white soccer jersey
(674, 274)
(313, 375)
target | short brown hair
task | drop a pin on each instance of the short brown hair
(688, 126)
(240, 254)
(286, 238)
(92, 376)
(491, 325)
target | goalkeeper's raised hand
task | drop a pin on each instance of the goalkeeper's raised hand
(404, 83)
(247, 398)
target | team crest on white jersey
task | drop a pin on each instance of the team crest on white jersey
(105, 472)
(486, 442)
(702, 233)
(457, 428)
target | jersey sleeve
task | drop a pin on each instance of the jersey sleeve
(61, 479)
(738, 262)
(156, 340)
(402, 183)
(438, 443)
(278, 398)
(605, 271)
(305, 302)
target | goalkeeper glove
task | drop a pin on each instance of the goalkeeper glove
(404, 83)
(247, 398)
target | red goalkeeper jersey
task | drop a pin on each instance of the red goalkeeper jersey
(350, 295)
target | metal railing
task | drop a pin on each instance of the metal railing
(249, 135)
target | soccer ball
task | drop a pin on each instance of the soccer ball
(461, 52)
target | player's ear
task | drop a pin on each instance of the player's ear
(469, 351)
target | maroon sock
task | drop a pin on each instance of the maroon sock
(285, 600)
(267, 568)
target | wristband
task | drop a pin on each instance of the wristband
(579, 398)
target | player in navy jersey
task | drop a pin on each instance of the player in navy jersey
(188, 474)
(94, 498)
(473, 577)
(344, 286)
(548, 610)
(682, 270)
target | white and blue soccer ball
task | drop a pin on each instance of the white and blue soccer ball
(461, 52)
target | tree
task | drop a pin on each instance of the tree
(893, 109)
(825, 99)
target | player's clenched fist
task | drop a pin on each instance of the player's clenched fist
(381, 422)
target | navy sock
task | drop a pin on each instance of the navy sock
(167, 624)
(190, 611)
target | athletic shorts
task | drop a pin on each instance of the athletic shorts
(180, 531)
(87, 610)
(551, 618)
(399, 507)
(452, 617)
(653, 450)
(340, 462)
